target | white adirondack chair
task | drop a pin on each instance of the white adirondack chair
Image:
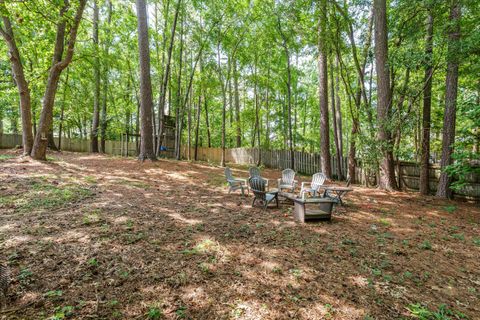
(287, 181)
(318, 179)
(235, 184)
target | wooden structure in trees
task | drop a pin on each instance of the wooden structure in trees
(130, 142)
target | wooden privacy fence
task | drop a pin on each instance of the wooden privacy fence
(306, 163)
(309, 163)
(76, 145)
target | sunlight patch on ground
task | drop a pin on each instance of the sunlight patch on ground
(14, 241)
(179, 217)
(270, 266)
(71, 236)
(249, 310)
(196, 294)
(177, 176)
(358, 281)
(8, 226)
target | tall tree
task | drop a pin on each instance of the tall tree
(103, 112)
(166, 77)
(323, 91)
(237, 105)
(451, 88)
(146, 100)
(289, 91)
(20, 80)
(96, 74)
(387, 170)
(427, 105)
(59, 63)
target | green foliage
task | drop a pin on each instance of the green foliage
(42, 194)
(425, 245)
(443, 313)
(466, 157)
(62, 313)
(154, 313)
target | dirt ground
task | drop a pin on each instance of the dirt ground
(98, 237)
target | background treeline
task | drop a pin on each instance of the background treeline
(367, 80)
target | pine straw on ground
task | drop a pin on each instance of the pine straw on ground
(92, 236)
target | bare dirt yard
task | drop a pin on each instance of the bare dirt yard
(99, 237)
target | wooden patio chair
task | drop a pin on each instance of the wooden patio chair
(318, 179)
(257, 185)
(255, 172)
(235, 184)
(287, 181)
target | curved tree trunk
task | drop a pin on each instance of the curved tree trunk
(39, 149)
(20, 81)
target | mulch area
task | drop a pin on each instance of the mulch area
(164, 240)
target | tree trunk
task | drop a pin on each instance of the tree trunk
(338, 120)
(427, 103)
(178, 111)
(352, 162)
(146, 100)
(451, 87)
(197, 124)
(62, 111)
(387, 170)
(224, 101)
(96, 73)
(20, 81)
(103, 115)
(335, 126)
(323, 93)
(163, 88)
(207, 122)
(39, 148)
(237, 104)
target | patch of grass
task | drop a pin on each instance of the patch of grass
(154, 313)
(93, 262)
(376, 272)
(131, 238)
(458, 236)
(53, 293)
(384, 222)
(297, 273)
(90, 179)
(25, 276)
(44, 195)
(216, 181)
(181, 312)
(348, 242)
(134, 183)
(277, 270)
(450, 209)
(62, 313)
(425, 245)
(91, 218)
(205, 268)
(421, 312)
(476, 241)
(4, 157)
